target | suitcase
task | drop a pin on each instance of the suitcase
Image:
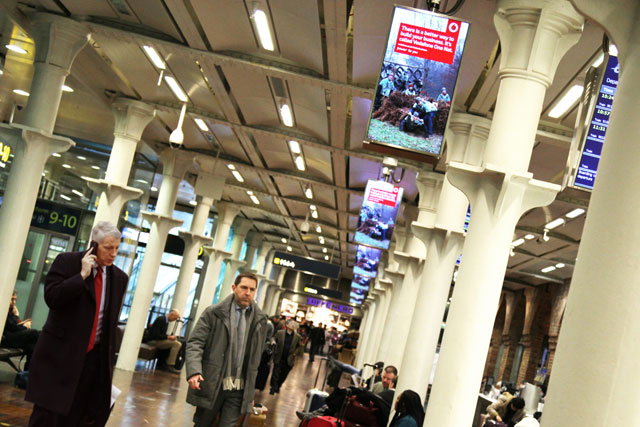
(324, 421)
(314, 398)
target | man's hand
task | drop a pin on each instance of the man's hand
(171, 337)
(194, 382)
(498, 418)
(88, 260)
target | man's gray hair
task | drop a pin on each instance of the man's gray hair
(104, 229)
(292, 324)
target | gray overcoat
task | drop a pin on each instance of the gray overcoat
(207, 351)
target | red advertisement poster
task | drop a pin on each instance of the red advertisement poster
(427, 43)
(379, 195)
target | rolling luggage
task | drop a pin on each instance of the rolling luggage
(324, 421)
(315, 397)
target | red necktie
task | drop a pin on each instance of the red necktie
(98, 286)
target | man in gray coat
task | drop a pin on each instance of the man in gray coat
(223, 354)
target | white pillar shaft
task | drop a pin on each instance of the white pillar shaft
(361, 339)
(368, 339)
(167, 195)
(120, 160)
(210, 282)
(229, 275)
(262, 257)
(200, 215)
(44, 98)
(383, 312)
(596, 367)
(183, 284)
(263, 289)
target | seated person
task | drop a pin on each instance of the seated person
(377, 375)
(509, 411)
(409, 412)
(18, 333)
(388, 378)
(157, 337)
(530, 420)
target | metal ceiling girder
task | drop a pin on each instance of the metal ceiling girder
(552, 259)
(537, 276)
(267, 66)
(278, 214)
(550, 233)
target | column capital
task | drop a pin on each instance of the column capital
(212, 252)
(163, 222)
(254, 238)
(429, 186)
(264, 249)
(194, 238)
(241, 227)
(466, 138)
(226, 212)
(535, 36)
(29, 139)
(176, 163)
(234, 264)
(58, 40)
(131, 118)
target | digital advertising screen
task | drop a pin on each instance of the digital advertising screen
(367, 261)
(378, 214)
(417, 81)
(360, 288)
(597, 128)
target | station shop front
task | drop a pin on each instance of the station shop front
(319, 309)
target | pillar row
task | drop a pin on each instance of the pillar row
(240, 231)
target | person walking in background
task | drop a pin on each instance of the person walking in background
(158, 337)
(288, 347)
(18, 333)
(72, 365)
(316, 336)
(409, 412)
(223, 354)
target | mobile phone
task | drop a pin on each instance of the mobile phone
(94, 245)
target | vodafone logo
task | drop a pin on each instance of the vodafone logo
(395, 189)
(454, 27)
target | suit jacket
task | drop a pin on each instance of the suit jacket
(59, 354)
(158, 330)
(295, 349)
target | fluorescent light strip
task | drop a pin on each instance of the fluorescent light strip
(517, 242)
(324, 250)
(17, 49)
(560, 265)
(555, 223)
(314, 214)
(201, 124)
(326, 257)
(154, 57)
(318, 229)
(231, 167)
(193, 202)
(21, 92)
(237, 175)
(285, 114)
(300, 163)
(176, 89)
(67, 198)
(312, 207)
(95, 167)
(66, 88)
(308, 193)
(529, 236)
(567, 101)
(574, 213)
(289, 248)
(254, 199)
(56, 154)
(294, 146)
(66, 166)
(77, 193)
(548, 269)
(263, 29)
(283, 240)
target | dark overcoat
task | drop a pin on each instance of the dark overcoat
(59, 354)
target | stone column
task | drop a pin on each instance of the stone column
(58, 40)
(253, 243)
(534, 36)
(174, 166)
(510, 305)
(240, 230)
(369, 349)
(532, 296)
(261, 267)
(397, 279)
(194, 239)
(361, 334)
(557, 312)
(131, 118)
(217, 253)
(264, 264)
(378, 321)
(465, 139)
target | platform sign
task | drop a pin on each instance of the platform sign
(594, 137)
(378, 214)
(417, 82)
(367, 261)
(306, 265)
(54, 217)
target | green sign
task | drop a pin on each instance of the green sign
(54, 217)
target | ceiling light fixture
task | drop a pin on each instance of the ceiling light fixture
(321, 240)
(289, 248)
(324, 250)
(263, 29)
(21, 92)
(66, 166)
(81, 158)
(142, 181)
(517, 242)
(17, 49)
(512, 252)
(294, 146)
(231, 167)
(95, 167)
(77, 193)
(153, 189)
(300, 163)
(529, 236)
(548, 269)
(545, 235)
(193, 202)
(66, 88)
(314, 214)
(283, 240)
(555, 223)
(56, 154)
(175, 88)
(67, 198)
(177, 136)
(154, 57)
(237, 176)
(567, 101)
(285, 115)
(318, 229)
(560, 265)
(201, 124)
(313, 207)
(326, 257)
(574, 213)
(308, 192)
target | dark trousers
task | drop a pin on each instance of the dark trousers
(316, 348)
(90, 406)
(24, 340)
(279, 374)
(226, 410)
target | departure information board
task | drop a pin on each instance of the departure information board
(597, 129)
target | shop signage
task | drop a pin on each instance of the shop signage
(54, 217)
(5, 153)
(306, 265)
(330, 305)
(322, 291)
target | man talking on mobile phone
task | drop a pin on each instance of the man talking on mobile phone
(72, 365)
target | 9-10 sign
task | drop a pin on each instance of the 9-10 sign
(54, 217)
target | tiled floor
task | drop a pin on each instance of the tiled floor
(158, 399)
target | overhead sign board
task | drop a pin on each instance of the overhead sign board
(323, 291)
(55, 217)
(378, 214)
(417, 81)
(306, 265)
(594, 136)
(330, 305)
